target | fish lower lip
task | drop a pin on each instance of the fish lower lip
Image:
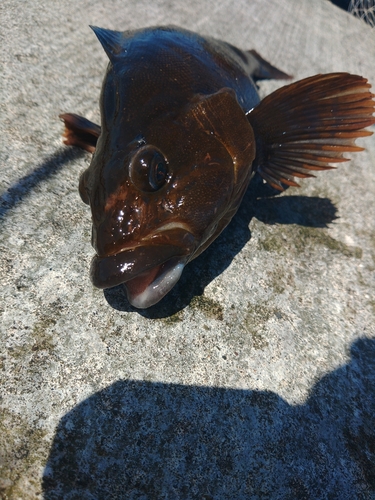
(151, 286)
(109, 271)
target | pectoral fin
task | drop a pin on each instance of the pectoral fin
(309, 124)
(80, 132)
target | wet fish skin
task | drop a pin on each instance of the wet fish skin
(182, 133)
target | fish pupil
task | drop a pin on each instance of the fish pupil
(161, 171)
(158, 174)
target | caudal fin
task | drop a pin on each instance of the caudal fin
(262, 69)
(80, 132)
(309, 124)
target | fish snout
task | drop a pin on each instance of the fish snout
(150, 269)
(109, 239)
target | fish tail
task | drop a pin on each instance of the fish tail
(262, 69)
(309, 124)
(80, 132)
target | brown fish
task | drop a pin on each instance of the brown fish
(182, 133)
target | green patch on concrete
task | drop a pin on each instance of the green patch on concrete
(281, 277)
(272, 243)
(210, 308)
(18, 352)
(173, 319)
(21, 455)
(277, 283)
(255, 322)
(43, 340)
(296, 239)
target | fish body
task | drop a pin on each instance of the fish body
(182, 132)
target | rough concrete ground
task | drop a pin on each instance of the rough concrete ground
(255, 377)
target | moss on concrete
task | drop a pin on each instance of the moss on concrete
(296, 239)
(210, 308)
(23, 452)
(173, 319)
(255, 321)
(43, 338)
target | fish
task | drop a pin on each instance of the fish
(183, 131)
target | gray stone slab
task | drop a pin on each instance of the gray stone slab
(255, 378)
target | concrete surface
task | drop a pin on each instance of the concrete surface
(255, 377)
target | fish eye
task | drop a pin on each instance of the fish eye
(148, 169)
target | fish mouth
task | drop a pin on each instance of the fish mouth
(148, 271)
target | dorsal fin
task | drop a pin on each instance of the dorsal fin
(111, 41)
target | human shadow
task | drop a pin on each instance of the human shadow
(24, 186)
(260, 201)
(143, 440)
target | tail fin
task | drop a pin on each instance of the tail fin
(308, 125)
(80, 132)
(262, 69)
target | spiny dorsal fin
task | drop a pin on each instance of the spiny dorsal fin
(309, 124)
(111, 41)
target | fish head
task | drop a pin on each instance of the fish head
(164, 181)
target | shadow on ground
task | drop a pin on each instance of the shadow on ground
(141, 440)
(16, 193)
(260, 201)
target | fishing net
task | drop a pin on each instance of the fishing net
(364, 9)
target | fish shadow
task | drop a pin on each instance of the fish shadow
(260, 201)
(137, 439)
(23, 187)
